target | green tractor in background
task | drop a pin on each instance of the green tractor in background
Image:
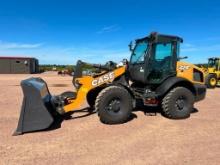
(212, 77)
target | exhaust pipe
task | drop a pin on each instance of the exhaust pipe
(37, 112)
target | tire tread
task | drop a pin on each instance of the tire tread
(99, 99)
(166, 101)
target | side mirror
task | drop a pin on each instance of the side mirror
(181, 58)
(131, 46)
(125, 61)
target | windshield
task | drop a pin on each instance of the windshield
(139, 52)
(212, 63)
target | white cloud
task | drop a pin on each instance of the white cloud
(212, 47)
(69, 55)
(194, 48)
(187, 45)
(210, 39)
(108, 29)
(93, 53)
(14, 45)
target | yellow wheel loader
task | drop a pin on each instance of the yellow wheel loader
(154, 74)
(212, 73)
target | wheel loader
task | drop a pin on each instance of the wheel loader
(212, 72)
(154, 75)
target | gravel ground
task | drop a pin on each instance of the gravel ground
(84, 140)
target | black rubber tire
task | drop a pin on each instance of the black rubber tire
(170, 107)
(125, 103)
(91, 101)
(208, 81)
(91, 97)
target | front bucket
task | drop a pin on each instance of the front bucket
(36, 112)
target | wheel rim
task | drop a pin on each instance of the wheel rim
(213, 81)
(114, 105)
(180, 103)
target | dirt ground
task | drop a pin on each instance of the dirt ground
(143, 140)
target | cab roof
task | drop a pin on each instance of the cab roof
(156, 37)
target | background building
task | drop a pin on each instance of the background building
(18, 65)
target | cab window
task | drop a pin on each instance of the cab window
(139, 52)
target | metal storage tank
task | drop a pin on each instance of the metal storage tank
(18, 65)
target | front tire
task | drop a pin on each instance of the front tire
(178, 103)
(114, 105)
(211, 81)
(91, 97)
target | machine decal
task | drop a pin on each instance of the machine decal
(141, 69)
(105, 78)
(182, 68)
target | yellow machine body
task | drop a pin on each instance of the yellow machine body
(88, 83)
(154, 75)
(184, 70)
(212, 72)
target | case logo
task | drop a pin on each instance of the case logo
(105, 78)
(184, 67)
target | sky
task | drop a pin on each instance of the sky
(64, 31)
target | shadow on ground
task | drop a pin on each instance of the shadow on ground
(147, 110)
(152, 110)
(59, 119)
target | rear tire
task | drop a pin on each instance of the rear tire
(178, 103)
(114, 105)
(211, 81)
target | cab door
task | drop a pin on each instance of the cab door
(137, 69)
(162, 63)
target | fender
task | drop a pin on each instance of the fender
(122, 80)
(171, 82)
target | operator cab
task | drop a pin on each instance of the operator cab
(214, 63)
(153, 58)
